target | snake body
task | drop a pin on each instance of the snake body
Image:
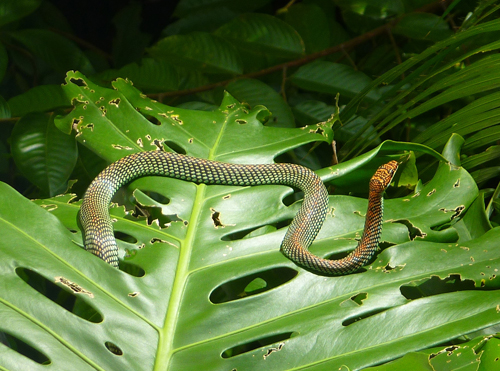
(98, 230)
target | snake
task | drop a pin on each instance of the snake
(97, 226)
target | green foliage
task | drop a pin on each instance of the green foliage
(202, 284)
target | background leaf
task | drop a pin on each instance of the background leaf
(39, 99)
(199, 50)
(332, 78)
(44, 154)
(259, 34)
(12, 10)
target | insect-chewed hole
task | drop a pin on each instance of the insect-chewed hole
(256, 344)
(132, 269)
(113, 348)
(175, 147)
(122, 236)
(252, 284)
(65, 299)
(435, 285)
(350, 320)
(78, 81)
(23, 348)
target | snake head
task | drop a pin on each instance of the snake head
(383, 176)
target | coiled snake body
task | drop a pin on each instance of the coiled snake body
(98, 230)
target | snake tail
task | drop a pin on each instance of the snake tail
(98, 229)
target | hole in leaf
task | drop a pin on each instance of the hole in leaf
(125, 237)
(158, 197)
(297, 195)
(413, 231)
(355, 300)
(252, 284)
(358, 298)
(132, 269)
(113, 348)
(359, 317)
(434, 286)
(115, 102)
(153, 120)
(175, 147)
(216, 218)
(283, 223)
(78, 81)
(23, 348)
(256, 344)
(65, 299)
(249, 233)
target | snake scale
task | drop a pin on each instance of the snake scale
(98, 230)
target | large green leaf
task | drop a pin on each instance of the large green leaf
(203, 284)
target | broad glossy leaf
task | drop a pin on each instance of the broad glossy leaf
(41, 98)
(311, 111)
(199, 50)
(262, 34)
(150, 74)
(423, 26)
(42, 153)
(58, 52)
(311, 23)
(332, 78)
(208, 20)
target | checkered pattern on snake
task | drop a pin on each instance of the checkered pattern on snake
(98, 230)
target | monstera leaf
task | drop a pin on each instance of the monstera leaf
(202, 284)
